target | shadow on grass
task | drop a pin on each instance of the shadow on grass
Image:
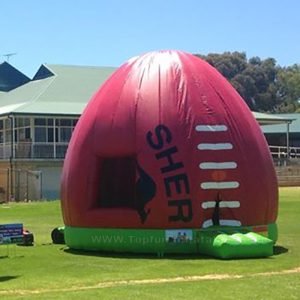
(127, 255)
(7, 278)
(280, 250)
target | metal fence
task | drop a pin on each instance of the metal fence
(4, 185)
(288, 175)
(28, 185)
(20, 185)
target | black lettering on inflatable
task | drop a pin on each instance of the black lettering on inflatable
(160, 132)
(184, 210)
(171, 164)
(179, 181)
(174, 184)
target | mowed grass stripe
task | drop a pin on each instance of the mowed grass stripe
(118, 283)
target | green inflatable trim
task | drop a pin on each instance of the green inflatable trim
(235, 245)
(223, 242)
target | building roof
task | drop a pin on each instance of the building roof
(10, 77)
(66, 90)
(271, 119)
(55, 90)
(294, 126)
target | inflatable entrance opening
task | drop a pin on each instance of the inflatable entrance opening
(167, 158)
(117, 188)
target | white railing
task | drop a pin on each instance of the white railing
(281, 152)
(29, 150)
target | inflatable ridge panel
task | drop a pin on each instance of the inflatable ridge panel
(236, 245)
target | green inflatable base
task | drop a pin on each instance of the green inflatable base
(222, 242)
(235, 245)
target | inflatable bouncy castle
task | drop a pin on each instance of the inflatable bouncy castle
(168, 158)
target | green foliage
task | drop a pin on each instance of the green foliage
(263, 85)
(289, 88)
(47, 271)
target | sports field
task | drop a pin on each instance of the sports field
(47, 271)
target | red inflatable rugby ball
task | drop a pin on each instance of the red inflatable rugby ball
(163, 143)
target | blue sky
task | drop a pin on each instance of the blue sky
(107, 33)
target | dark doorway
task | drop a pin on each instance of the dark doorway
(117, 182)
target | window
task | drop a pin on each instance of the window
(65, 134)
(7, 123)
(2, 132)
(44, 130)
(40, 121)
(5, 131)
(66, 122)
(50, 131)
(22, 130)
(40, 134)
(27, 133)
(7, 136)
(22, 122)
(65, 128)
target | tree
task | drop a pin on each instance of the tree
(228, 64)
(289, 88)
(263, 84)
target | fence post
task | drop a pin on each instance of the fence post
(41, 185)
(7, 185)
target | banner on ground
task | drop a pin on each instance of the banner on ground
(11, 233)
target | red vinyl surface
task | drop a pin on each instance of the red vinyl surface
(168, 143)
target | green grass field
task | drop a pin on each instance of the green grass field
(47, 271)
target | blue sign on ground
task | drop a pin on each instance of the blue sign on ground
(11, 233)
